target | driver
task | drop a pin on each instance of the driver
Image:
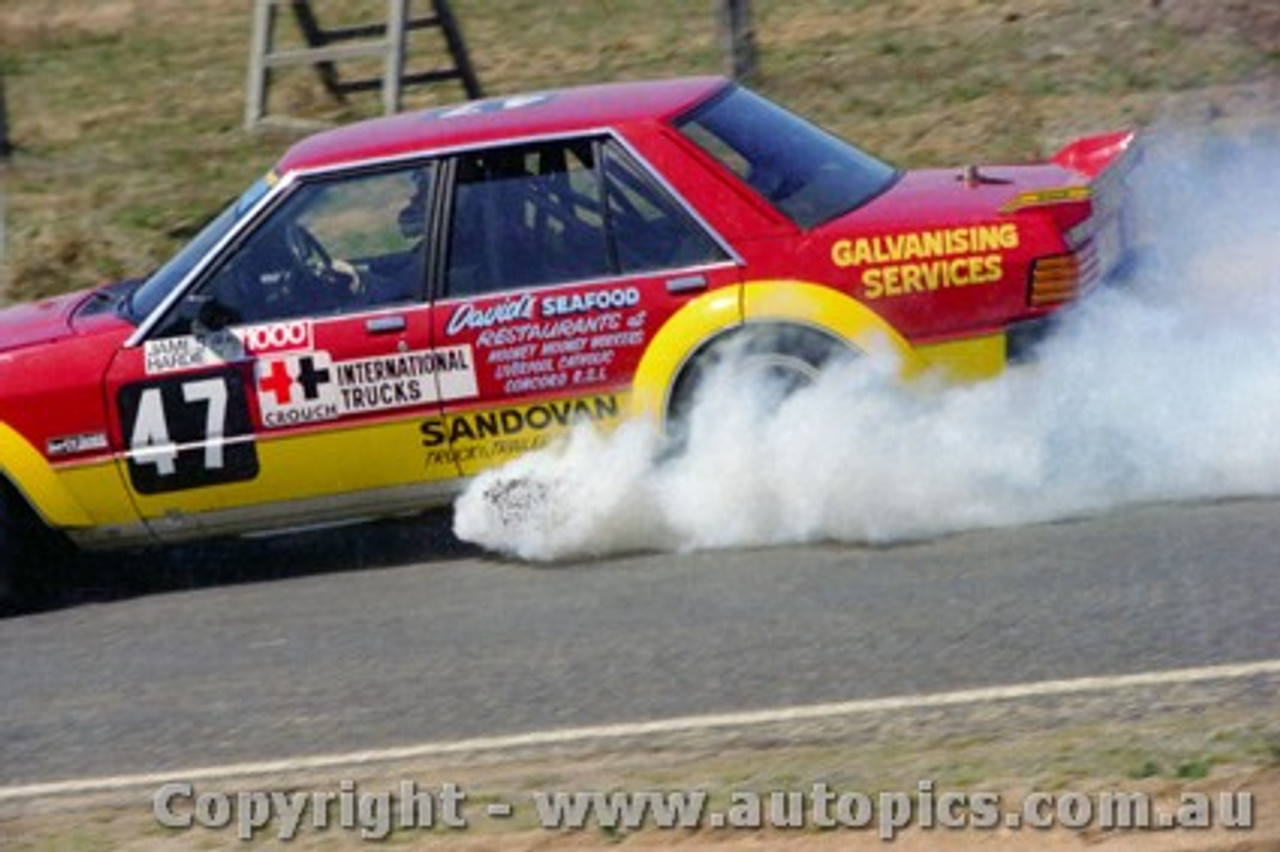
(286, 270)
(318, 282)
(403, 280)
(413, 216)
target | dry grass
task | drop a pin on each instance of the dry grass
(127, 113)
(1235, 744)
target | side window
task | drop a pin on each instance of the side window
(525, 216)
(650, 231)
(334, 246)
(806, 173)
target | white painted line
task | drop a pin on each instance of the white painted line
(630, 730)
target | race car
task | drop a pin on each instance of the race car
(401, 303)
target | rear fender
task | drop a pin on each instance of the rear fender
(826, 309)
(779, 302)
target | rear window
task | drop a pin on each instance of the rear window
(805, 172)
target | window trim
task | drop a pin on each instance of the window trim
(443, 159)
(278, 196)
(268, 202)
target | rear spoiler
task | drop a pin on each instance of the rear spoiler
(1090, 210)
(1093, 159)
(1092, 154)
(1107, 241)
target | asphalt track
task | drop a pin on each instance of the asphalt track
(392, 636)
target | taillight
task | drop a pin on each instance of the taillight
(1054, 280)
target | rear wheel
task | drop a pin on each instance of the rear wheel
(778, 357)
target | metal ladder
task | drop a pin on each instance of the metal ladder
(327, 47)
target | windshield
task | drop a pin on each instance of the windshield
(153, 291)
(805, 172)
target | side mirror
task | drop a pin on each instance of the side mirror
(211, 316)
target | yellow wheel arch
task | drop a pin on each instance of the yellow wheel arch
(687, 330)
(828, 310)
(786, 302)
(33, 477)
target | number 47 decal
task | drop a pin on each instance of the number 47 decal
(188, 432)
(151, 443)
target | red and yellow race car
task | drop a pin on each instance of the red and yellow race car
(404, 302)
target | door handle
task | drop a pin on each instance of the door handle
(687, 283)
(385, 325)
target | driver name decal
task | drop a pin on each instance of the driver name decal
(173, 354)
(189, 352)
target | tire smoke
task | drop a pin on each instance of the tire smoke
(1166, 388)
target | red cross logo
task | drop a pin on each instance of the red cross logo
(278, 381)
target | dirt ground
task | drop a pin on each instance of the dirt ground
(132, 830)
(1163, 742)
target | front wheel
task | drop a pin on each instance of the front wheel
(33, 559)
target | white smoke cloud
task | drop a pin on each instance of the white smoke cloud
(1167, 389)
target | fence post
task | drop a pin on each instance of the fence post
(737, 38)
(264, 22)
(5, 147)
(393, 65)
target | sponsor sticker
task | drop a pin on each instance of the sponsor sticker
(894, 265)
(491, 435)
(303, 388)
(489, 106)
(72, 444)
(293, 336)
(567, 304)
(468, 317)
(297, 389)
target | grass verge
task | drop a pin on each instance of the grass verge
(127, 114)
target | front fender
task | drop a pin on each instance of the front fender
(33, 476)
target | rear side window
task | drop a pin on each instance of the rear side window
(560, 212)
(806, 173)
(526, 216)
(649, 229)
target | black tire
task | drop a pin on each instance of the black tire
(34, 560)
(790, 356)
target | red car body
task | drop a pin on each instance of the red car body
(646, 224)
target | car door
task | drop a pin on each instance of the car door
(564, 259)
(287, 385)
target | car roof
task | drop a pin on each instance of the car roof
(566, 110)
